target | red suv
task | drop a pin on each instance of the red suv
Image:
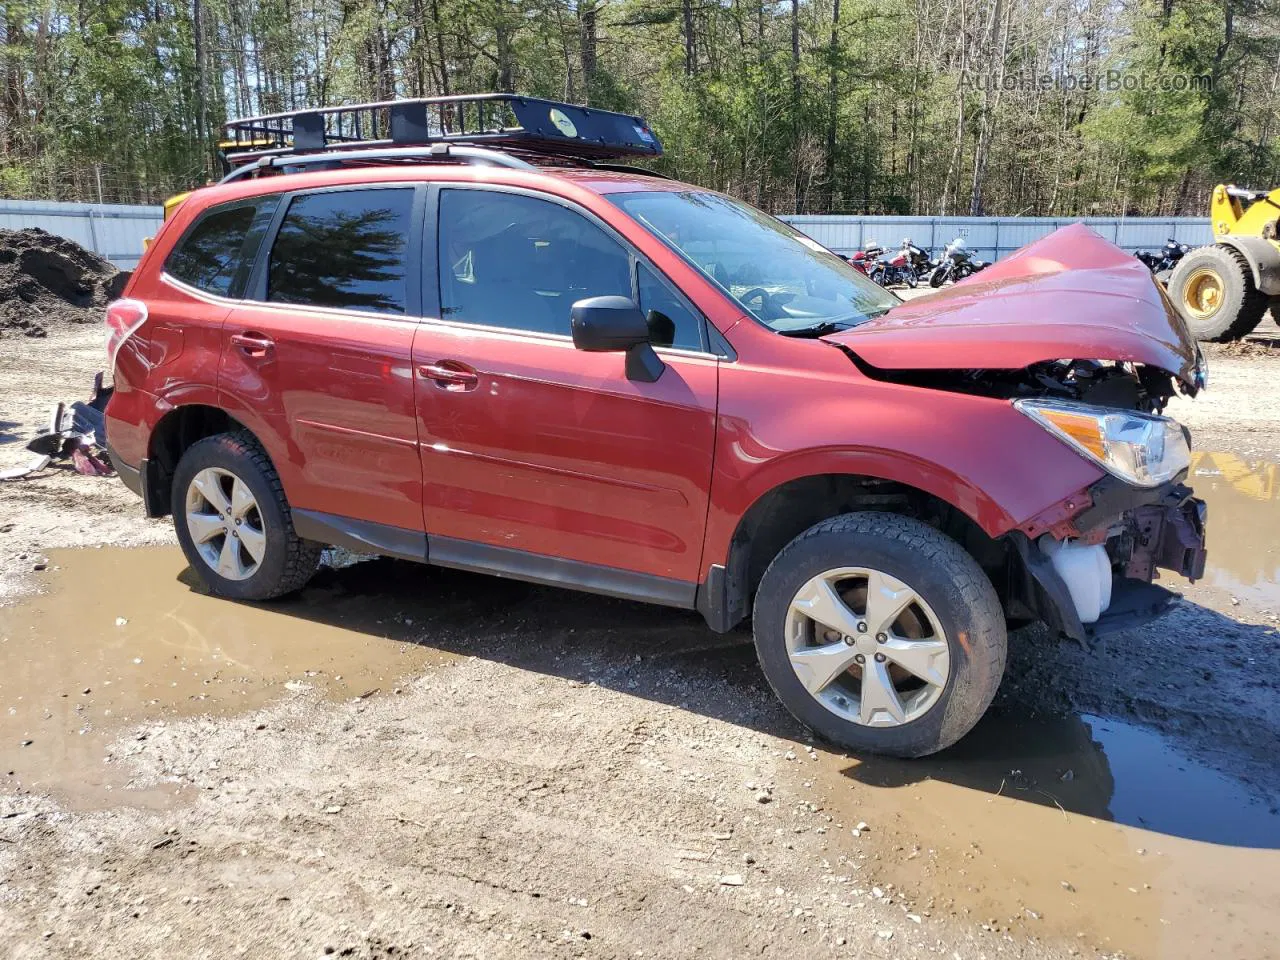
(493, 350)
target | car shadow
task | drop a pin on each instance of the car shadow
(8, 431)
(1040, 742)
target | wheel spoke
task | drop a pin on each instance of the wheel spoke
(204, 526)
(819, 601)
(879, 698)
(818, 666)
(209, 484)
(886, 599)
(241, 498)
(926, 659)
(229, 564)
(255, 542)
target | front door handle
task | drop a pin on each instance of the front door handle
(450, 374)
(253, 344)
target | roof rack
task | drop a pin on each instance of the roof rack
(388, 131)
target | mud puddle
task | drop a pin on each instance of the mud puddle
(1244, 525)
(1090, 830)
(127, 636)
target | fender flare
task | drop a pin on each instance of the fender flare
(1263, 257)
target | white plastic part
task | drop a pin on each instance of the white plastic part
(1086, 570)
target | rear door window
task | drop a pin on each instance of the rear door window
(344, 249)
(216, 255)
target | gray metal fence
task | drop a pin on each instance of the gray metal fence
(990, 238)
(112, 230)
(116, 231)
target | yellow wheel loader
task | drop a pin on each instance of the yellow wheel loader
(1223, 291)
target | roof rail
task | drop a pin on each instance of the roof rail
(286, 162)
(509, 121)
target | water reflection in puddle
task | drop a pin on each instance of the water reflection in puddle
(1244, 524)
(1100, 768)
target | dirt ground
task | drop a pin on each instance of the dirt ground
(407, 761)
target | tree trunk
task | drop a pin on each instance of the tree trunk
(833, 96)
(690, 40)
(587, 38)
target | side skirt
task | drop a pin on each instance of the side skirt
(363, 536)
(558, 572)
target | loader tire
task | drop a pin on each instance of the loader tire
(1212, 288)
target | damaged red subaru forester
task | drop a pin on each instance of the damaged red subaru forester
(488, 347)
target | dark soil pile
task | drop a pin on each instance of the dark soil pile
(46, 279)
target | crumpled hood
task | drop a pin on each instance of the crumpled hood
(1069, 296)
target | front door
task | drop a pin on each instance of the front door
(534, 452)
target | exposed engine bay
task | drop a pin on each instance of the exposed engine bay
(1103, 383)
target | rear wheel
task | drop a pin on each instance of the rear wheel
(880, 634)
(233, 521)
(1212, 287)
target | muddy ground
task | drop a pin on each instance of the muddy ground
(406, 761)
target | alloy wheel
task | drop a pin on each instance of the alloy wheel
(867, 647)
(225, 523)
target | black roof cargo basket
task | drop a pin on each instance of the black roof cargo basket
(505, 121)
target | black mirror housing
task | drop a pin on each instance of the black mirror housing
(615, 324)
(607, 324)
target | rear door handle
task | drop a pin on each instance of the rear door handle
(450, 373)
(254, 344)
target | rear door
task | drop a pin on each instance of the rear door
(535, 453)
(318, 354)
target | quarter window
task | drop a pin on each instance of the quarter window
(343, 249)
(672, 321)
(217, 254)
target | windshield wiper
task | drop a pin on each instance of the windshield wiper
(820, 329)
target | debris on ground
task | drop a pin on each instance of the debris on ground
(76, 432)
(46, 279)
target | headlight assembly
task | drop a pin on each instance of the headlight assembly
(1139, 448)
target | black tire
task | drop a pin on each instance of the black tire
(938, 276)
(1242, 306)
(942, 574)
(289, 561)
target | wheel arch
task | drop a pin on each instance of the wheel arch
(790, 507)
(1263, 259)
(172, 436)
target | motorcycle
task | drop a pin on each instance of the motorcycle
(956, 263)
(893, 269)
(864, 260)
(920, 262)
(1162, 262)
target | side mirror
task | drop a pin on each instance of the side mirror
(615, 324)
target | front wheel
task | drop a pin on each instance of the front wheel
(880, 634)
(1213, 289)
(234, 523)
(938, 277)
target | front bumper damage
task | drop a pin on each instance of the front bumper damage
(1142, 531)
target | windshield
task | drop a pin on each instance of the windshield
(785, 280)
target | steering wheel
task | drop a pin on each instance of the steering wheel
(767, 305)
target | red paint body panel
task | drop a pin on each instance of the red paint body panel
(1071, 295)
(792, 408)
(335, 396)
(554, 451)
